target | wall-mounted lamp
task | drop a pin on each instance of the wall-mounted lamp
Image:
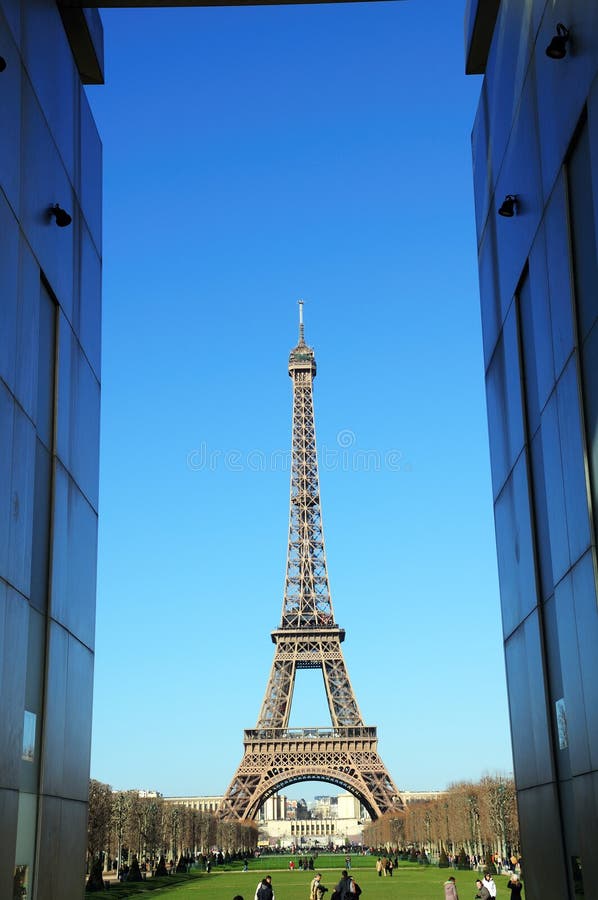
(557, 48)
(3, 64)
(509, 206)
(62, 217)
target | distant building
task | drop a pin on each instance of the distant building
(201, 804)
(275, 808)
(421, 796)
(336, 820)
(323, 807)
(535, 172)
(287, 823)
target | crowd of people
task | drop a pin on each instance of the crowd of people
(485, 887)
(348, 889)
(502, 864)
(385, 865)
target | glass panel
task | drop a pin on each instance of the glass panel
(36, 654)
(573, 465)
(538, 479)
(556, 231)
(25, 849)
(532, 756)
(545, 873)
(583, 233)
(489, 290)
(528, 347)
(589, 372)
(556, 692)
(586, 622)
(18, 571)
(536, 340)
(6, 436)
(515, 549)
(78, 414)
(554, 490)
(577, 738)
(45, 369)
(41, 532)
(505, 409)
(74, 559)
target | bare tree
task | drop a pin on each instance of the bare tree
(479, 818)
(100, 816)
(120, 811)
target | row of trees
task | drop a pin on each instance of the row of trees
(479, 818)
(122, 825)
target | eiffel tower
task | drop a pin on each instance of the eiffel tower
(308, 638)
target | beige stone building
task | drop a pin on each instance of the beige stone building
(201, 804)
(336, 820)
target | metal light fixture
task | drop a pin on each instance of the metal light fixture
(509, 206)
(62, 217)
(557, 48)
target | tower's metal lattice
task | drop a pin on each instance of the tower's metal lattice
(308, 637)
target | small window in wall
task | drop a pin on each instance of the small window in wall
(561, 724)
(29, 724)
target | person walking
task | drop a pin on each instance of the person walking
(379, 867)
(450, 889)
(317, 889)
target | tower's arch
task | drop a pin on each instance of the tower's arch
(343, 781)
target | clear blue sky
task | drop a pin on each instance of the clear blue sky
(253, 156)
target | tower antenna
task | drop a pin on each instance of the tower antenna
(301, 327)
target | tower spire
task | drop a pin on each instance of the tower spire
(301, 327)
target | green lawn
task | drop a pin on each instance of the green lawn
(410, 882)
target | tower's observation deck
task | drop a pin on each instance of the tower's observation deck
(302, 358)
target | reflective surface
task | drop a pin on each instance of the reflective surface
(49, 432)
(536, 136)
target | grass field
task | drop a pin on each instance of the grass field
(409, 882)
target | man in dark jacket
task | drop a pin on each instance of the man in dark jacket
(343, 888)
(265, 892)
